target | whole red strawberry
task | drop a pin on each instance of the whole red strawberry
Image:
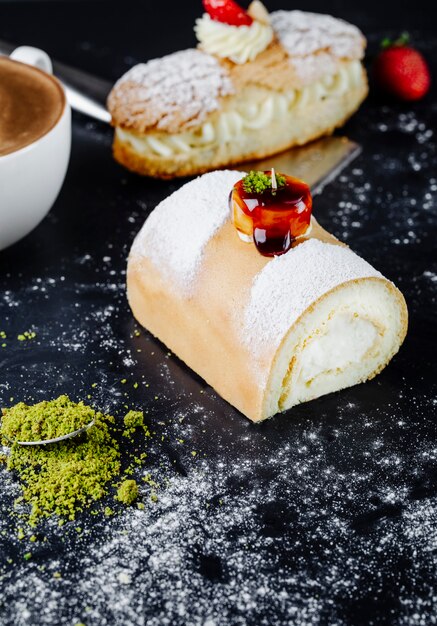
(401, 70)
(228, 12)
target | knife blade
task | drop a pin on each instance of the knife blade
(318, 163)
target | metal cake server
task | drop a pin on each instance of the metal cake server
(318, 163)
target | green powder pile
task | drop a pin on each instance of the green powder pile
(45, 420)
(67, 477)
(127, 493)
(132, 421)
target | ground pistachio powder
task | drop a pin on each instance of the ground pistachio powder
(67, 477)
(45, 420)
(127, 492)
(132, 421)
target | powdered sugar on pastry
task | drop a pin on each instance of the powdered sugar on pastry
(175, 92)
(314, 68)
(302, 33)
(315, 42)
(290, 283)
(176, 233)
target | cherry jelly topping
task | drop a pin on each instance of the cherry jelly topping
(273, 219)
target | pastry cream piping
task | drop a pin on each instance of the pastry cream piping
(253, 115)
(237, 43)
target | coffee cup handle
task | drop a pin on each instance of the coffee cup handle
(77, 99)
(33, 56)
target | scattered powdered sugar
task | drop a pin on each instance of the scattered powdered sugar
(179, 89)
(176, 233)
(430, 276)
(265, 529)
(289, 284)
(315, 43)
(402, 188)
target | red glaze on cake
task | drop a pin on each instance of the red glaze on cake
(271, 218)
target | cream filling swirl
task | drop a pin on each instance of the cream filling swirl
(346, 341)
(237, 43)
(249, 116)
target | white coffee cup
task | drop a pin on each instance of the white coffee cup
(31, 177)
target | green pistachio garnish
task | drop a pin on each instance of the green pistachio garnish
(258, 182)
(45, 420)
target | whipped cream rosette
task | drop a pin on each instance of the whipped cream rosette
(240, 43)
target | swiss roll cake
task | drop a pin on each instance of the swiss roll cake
(255, 85)
(234, 274)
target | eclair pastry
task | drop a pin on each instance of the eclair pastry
(267, 331)
(248, 91)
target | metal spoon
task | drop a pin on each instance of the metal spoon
(44, 442)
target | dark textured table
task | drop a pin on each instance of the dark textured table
(324, 515)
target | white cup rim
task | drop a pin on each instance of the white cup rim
(65, 109)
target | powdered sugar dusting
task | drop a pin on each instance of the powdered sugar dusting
(302, 33)
(312, 67)
(289, 284)
(336, 515)
(175, 235)
(180, 89)
(316, 40)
